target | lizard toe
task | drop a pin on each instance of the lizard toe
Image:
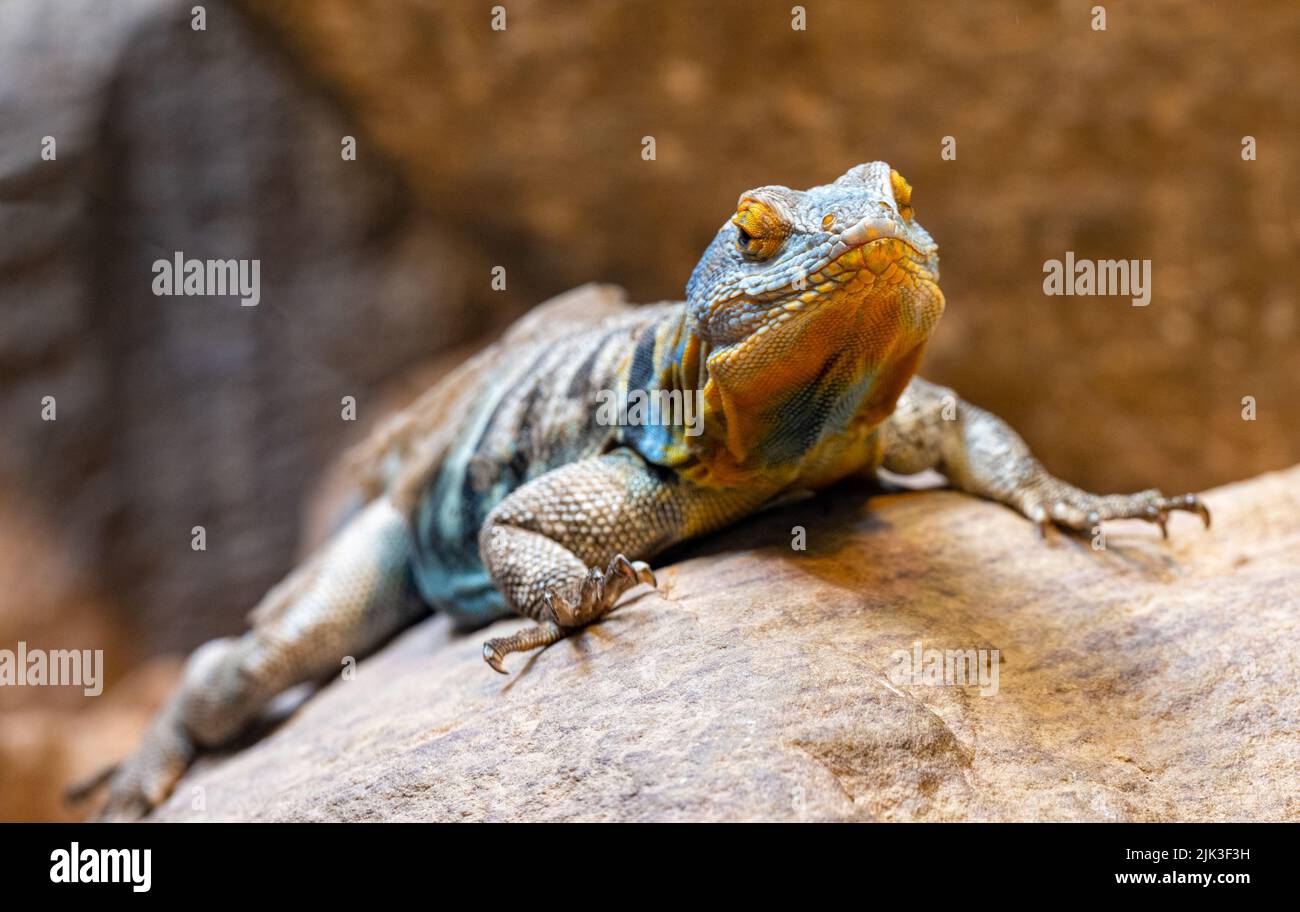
(644, 574)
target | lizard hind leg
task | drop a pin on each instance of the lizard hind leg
(344, 602)
(597, 595)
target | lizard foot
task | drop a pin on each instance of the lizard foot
(1079, 511)
(599, 591)
(142, 781)
(597, 594)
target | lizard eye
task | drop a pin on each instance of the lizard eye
(760, 230)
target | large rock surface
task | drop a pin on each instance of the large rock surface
(1149, 681)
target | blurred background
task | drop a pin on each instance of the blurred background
(522, 148)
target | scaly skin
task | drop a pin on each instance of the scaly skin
(500, 490)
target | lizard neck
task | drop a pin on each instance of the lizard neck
(764, 408)
(661, 387)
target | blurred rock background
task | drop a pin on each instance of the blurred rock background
(522, 148)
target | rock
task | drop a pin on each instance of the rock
(1149, 681)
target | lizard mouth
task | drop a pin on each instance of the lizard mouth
(872, 229)
(880, 256)
(876, 268)
(875, 257)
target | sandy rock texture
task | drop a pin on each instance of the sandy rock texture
(1149, 681)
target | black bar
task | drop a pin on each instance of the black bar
(932, 862)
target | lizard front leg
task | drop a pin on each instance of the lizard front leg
(981, 454)
(563, 548)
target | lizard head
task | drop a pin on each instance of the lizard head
(811, 309)
(794, 256)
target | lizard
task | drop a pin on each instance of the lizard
(502, 490)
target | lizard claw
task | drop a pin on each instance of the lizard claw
(1193, 504)
(1189, 503)
(1042, 522)
(644, 574)
(634, 571)
(1159, 517)
(493, 657)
